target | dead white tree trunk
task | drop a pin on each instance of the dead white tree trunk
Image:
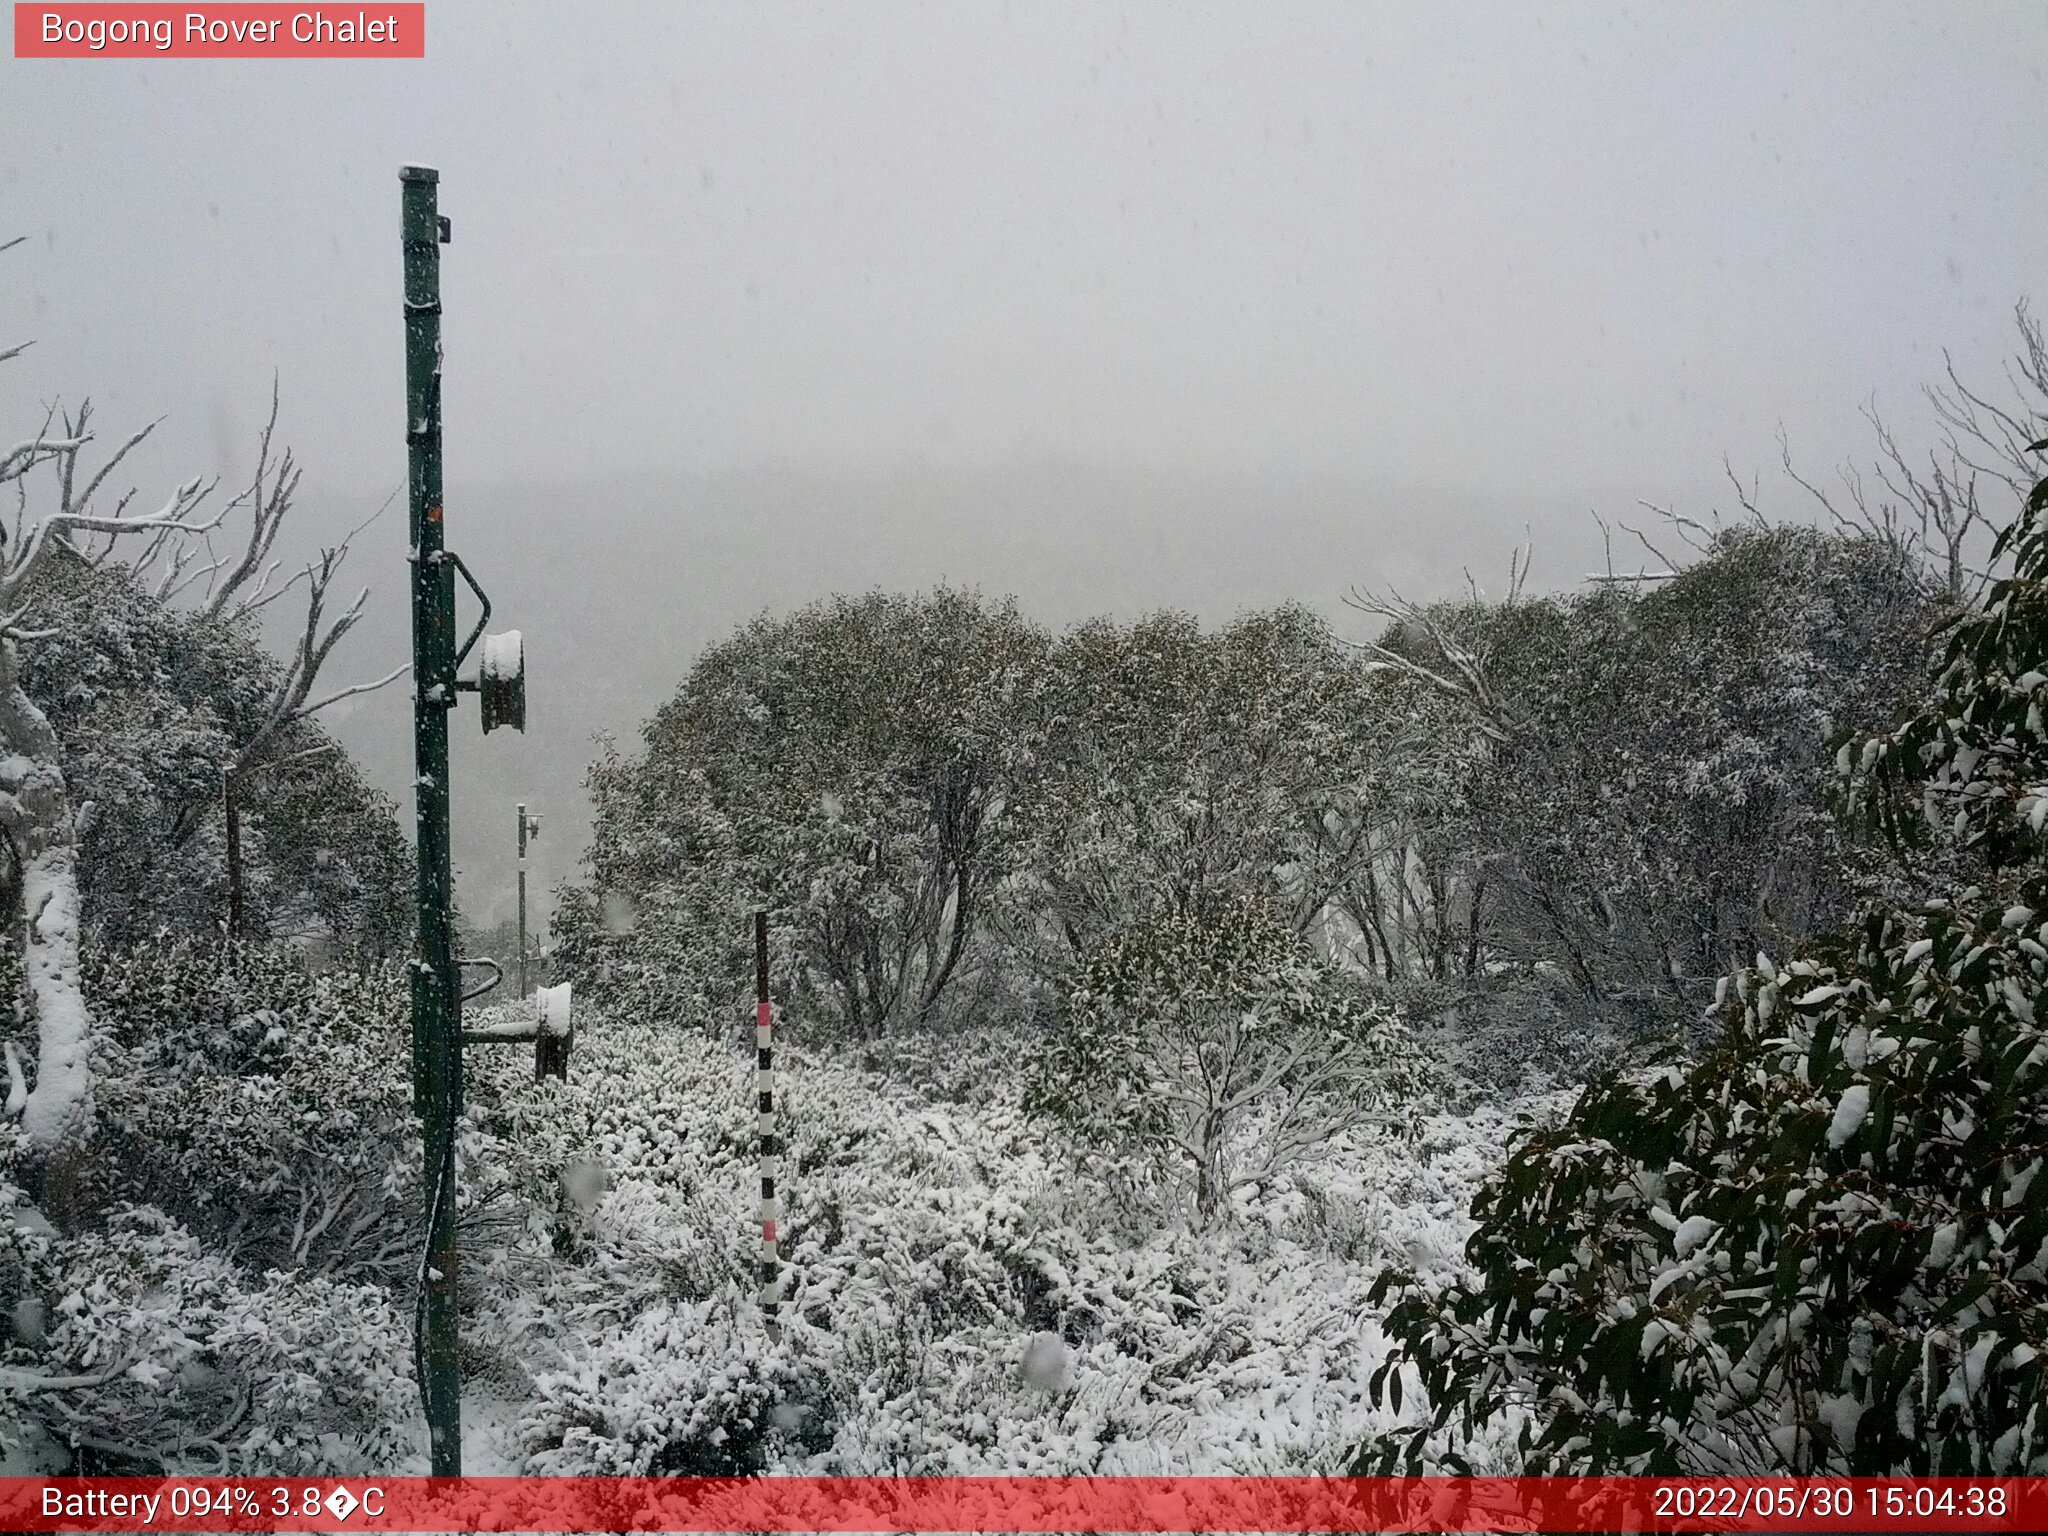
(36, 811)
(37, 815)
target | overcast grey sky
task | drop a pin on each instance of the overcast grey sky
(1109, 305)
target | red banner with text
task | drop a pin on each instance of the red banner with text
(1024, 1504)
(238, 31)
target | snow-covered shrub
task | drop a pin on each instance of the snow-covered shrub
(265, 1105)
(980, 1066)
(167, 1355)
(687, 1389)
(1216, 1045)
(1824, 1247)
(927, 1240)
(1516, 1031)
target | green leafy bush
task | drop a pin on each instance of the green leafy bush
(1823, 1247)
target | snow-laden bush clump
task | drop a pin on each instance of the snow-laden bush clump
(683, 1389)
(1823, 1247)
(176, 1353)
(230, 1304)
(265, 1106)
(241, 1298)
(928, 1244)
(1212, 1050)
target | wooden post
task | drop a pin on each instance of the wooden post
(232, 815)
(554, 1032)
(764, 1046)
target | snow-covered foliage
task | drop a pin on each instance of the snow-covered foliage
(1973, 767)
(152, 704)
(264, 1105)
(233, 1306)
(1820, 1249)
(61, 521)
(1213, 1046)
(1654, 803)
(165, 1351)
(1179, 767)
(847, 768)
(934, 1230)
(1824, 1247)
(940, 801)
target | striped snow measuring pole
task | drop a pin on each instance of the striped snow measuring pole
(764, 1046)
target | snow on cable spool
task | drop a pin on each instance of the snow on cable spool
(504, 656)
(551, 1006)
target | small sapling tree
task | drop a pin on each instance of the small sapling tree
(1214, 1044)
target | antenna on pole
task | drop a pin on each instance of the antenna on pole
(529, 827)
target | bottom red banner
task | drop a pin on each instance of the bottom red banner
(1023, 1504)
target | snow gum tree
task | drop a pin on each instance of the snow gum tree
(41, 822)
(847, 767)
(1823, 1247)
(1215, 1045)
(1651, 806)
(1181, 767)
(153, 703)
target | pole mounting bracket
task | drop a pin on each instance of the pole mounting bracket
(497, 975)
(482, 619)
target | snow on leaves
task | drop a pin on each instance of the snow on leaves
(1863, 1284)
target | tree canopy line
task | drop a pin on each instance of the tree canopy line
(1607, 799)
(1586, 806)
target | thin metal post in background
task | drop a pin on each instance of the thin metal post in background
(771, 1147)
(231, 816)
(436, 984)
(522, 900)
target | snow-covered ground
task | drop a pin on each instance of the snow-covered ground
(935, 1235)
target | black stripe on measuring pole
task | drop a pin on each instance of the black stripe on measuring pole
(764, 1044)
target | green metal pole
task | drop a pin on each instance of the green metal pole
(436, 986)
(522, 902)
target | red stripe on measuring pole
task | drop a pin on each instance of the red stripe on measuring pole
(1025, 1504)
